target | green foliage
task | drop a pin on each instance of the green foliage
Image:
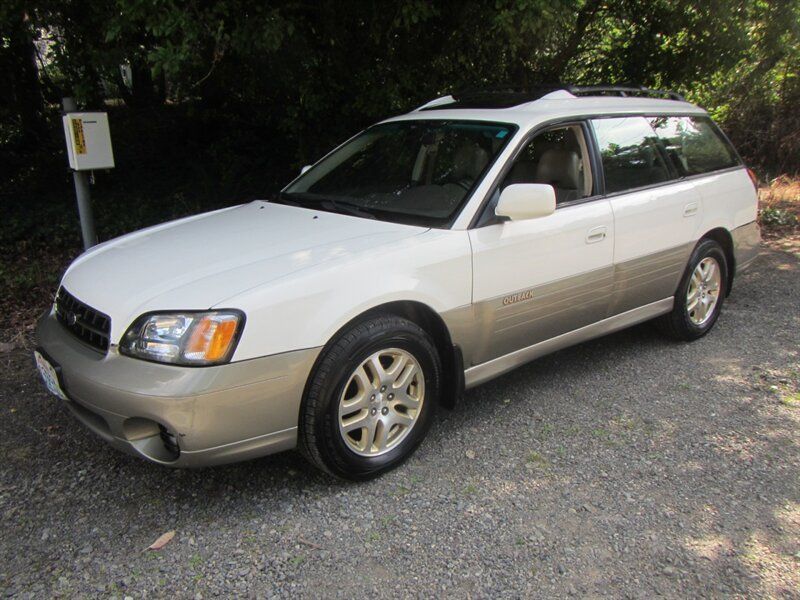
(771, 217)
(217, 102)
(314, 72)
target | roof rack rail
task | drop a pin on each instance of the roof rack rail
(512, 96)
(621, 90)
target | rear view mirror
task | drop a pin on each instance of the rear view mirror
(522, 201)
(304, 169)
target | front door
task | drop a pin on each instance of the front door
(539, 278)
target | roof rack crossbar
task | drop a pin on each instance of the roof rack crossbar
(622, 90)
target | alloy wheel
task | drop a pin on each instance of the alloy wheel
(703, 292)
(381, 402)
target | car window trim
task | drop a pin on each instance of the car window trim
(677, 178)
(672, 172)
(475, 222)
(602, 196)
(447, 223)
(717, 130)
(585, 121)
(512, 131)
(595, 158)
(725, 138)
(674, 181)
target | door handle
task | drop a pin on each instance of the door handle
(690, 209)
(596, 234)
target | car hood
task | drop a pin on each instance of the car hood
(198, 262)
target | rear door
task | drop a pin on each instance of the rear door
(656, 215)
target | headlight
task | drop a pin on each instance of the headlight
(184, 338)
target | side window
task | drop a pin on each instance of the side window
(630, 152)
(694, 144)
(559, 157)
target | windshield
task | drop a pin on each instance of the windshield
(416, 172)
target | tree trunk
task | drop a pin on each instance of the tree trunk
(142, 92)
(587, 14)
(25, 87)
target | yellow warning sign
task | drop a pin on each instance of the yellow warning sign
(77, 134)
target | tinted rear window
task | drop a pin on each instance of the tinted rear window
(694, 144)
(631, 153)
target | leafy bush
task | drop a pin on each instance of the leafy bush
(777, 217)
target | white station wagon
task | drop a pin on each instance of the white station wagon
(426, 255)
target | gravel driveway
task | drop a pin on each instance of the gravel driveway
(630, 466)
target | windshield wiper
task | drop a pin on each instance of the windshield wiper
(283, 198)
(330, 204)
(349, 207)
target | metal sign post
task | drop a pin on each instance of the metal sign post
(88, 148)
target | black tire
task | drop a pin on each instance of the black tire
(319, 438)
(678, 324)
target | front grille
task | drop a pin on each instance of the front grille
(84, 322)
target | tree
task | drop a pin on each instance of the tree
(315, 71)
(19, 69)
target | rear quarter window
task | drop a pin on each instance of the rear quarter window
(694, 145)
(630, 152)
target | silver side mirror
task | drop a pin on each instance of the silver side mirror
(304, 169)
(522, 201)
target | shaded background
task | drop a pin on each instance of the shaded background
(216, 103)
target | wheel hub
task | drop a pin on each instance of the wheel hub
(381, 402)
(703, 292)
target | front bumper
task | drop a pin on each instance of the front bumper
(217, 414)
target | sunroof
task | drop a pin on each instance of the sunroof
(493, 98)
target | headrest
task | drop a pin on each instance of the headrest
(560, 168)
(469, 161)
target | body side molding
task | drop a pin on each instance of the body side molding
(490, 369)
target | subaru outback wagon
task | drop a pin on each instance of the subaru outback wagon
(427, 254)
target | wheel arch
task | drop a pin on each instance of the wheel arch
(724, 238)
(430, 321)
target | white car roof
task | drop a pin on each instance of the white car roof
(556, 106)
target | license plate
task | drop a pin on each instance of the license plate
(49, 375)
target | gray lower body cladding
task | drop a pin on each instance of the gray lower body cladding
(746, 245)
(491, 329)
(215, 414)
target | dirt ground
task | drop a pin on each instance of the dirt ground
(630, 466)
